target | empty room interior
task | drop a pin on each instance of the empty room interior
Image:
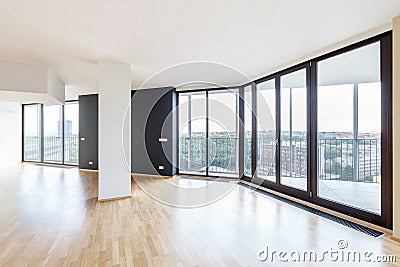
(199, 133)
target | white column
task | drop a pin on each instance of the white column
(114, 152)
(396, 127)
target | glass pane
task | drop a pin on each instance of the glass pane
(52, 122)
(266, 131)
(223, 142)
(349, 129)
(71, 133)
(247, 130)
(183, 111)
(192, 133)
(32, 135)
(293, 141)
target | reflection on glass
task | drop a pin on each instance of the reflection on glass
(293, 140)
(32, 133)
(266, 131)
(349, 129)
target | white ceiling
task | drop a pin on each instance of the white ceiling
(252, 37)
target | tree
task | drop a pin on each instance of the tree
(333, 167)
(332, 151)
(347, 173)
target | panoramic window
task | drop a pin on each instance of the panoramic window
(349, 128)
(320, 130)
(51, 133)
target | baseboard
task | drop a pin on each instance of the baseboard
(88, 170)
(151, 175)
(112, 199)
(395, 239)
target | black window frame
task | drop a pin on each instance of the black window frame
(239, 103)
(42, 135)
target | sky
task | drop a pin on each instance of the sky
(335, 109)
(51, 117)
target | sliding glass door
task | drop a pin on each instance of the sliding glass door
(266, 130)
(332, 131)
(209, 133)
(349, 129)
(248, 124)
(71, 133)
(223, 133)
(32, 132)
(293, 134)
(52, 134)
(192, 133)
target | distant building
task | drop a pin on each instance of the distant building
(338, 158)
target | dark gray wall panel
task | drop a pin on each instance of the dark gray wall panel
(154, 117)
(89, 130)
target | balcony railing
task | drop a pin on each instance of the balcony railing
(293, 157)
(357, 160)
(192, 154)
(71, 151)
(222, 153)
(31, 148)
(52, 146)
(247, 155)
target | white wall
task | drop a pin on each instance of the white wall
(21, 77)
(326, 50)
(10, 134)
(55, 87)
(24, 83)
(114, 99)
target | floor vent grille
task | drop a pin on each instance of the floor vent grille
(345, 222)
